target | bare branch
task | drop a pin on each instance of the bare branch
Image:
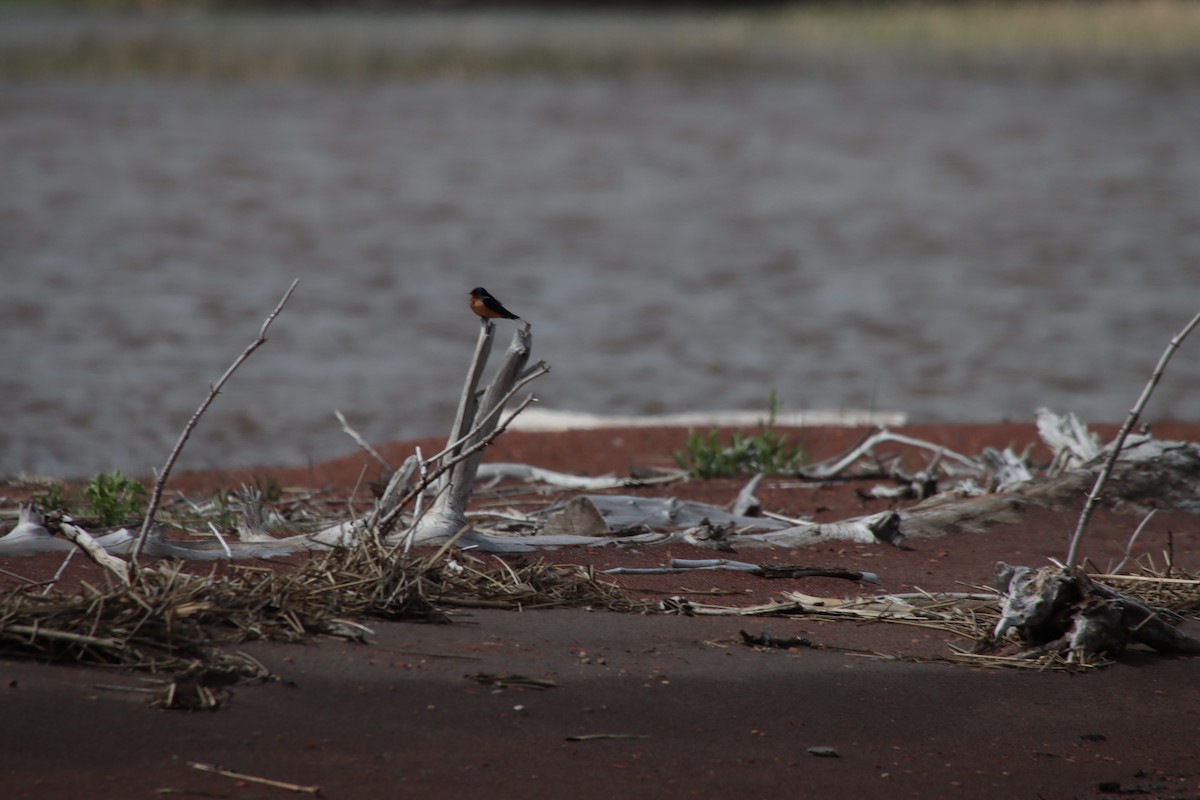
(536, 371)
(828, 469)
(1132, 540)
(161, 483)
(1134, 414)
(470, 399)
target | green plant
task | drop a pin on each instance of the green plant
(270, 488)
(114, 498)
(767, 451)
(50, 499)
(223, 513)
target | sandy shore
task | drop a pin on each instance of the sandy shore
(647, 705)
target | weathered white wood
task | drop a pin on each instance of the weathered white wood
(1069, 439)
(746, 504)
(96, 551)
(476, 422)
(1006, 469)
(562, 480)
(882, 528)
(545, 419)
(835, 466)
(30, 536)
(621, 512)
(1055, 609)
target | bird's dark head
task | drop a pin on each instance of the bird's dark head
(479, 291)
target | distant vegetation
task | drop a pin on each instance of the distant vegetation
(202, 39)
(766, 451)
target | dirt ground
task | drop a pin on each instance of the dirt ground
(648, 705)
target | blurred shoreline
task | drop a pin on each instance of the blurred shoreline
(245, 42)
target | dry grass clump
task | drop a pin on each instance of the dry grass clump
(169, 620)
(1175, 591)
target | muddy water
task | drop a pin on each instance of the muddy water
(959, 249)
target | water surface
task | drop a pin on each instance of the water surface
(956, 248)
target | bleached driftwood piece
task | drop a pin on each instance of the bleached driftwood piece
(30, 535)
(678, 565)
(562, 480)
(883, 528)
(548, 420)
(835, 466)
(1069, 439)
(388, 507)
(629, 520)
(623, 512)
(1056, 609)
(1164, 473)
(1006, 469)
(156, 546)
(95, 551)
(746, 504)
(923, 608)
(475, 424)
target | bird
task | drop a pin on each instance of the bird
(486, 306)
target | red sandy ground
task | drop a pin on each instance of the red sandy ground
(699, 713)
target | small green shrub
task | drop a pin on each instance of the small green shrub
(114, 498)
(767, 451)
(50, 499)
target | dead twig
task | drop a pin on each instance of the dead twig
(1132, 540)
(389, 520)
(241, 776)
(1134, 414)
(161, 483)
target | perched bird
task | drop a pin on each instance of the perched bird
(485, 305)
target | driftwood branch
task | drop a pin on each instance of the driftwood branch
(160, 484)
(473, 429)
(464, 417)
(746, 504)
(495, 472)
(95, 551)
(835, 466)
(388, 521)
(1134, 414)
(678, 565)
(1062, 610)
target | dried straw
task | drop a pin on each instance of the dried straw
(170, 620)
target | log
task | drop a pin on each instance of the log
(476, 421)
(1055, 609)
(624, 512)
(679, 565)
(524, 472)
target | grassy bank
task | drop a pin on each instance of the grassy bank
(1156, 35)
